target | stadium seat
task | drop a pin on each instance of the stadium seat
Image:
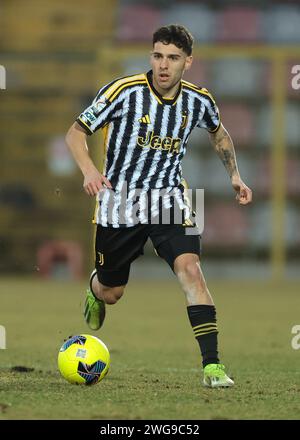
(293, 176)
(263, 180)
(238, 119)
(193, 167)
(18, 196)
(239, 24)
(225, 224)
(198, 73)
(281, 24)
(137, 22)
(260, 225)
(199, 19)
(292, 222)
(240, 77)
(135, 64)
(268, 79)
(264, 125)
(215, 177)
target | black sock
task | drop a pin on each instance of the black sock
(203, 321)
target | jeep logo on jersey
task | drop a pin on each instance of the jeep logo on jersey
(171, 145)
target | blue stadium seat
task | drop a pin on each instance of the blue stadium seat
(281, 24)
(264, 125)
(260, 224)
(199, 19)
(134, 64)
(292, 222)
(241, 77)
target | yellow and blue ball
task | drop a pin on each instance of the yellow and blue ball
(83, 359)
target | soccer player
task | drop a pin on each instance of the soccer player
(147, 119)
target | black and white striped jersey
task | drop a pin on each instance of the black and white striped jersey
(145, 139)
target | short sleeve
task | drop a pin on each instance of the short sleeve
(97, 114)
(210, 115)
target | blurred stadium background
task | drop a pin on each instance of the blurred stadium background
(57, 54)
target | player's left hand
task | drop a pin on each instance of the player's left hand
(244, 194)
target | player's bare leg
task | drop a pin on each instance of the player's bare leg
(202, 316)
(110, 295)
(188, 270)
(97, 296)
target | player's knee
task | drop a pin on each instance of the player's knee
(111, 295)
(189, 270)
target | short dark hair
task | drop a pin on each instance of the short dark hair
(177, 35)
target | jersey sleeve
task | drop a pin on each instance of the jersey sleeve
(210, 116)
(97, 114)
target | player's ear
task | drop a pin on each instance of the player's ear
(188, 62)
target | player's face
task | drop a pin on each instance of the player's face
(168, 64)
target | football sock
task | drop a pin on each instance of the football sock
(203, 321)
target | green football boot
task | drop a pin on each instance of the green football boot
(215, 377)
(94, 311)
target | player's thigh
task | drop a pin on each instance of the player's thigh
(176, 242)
(115, 250)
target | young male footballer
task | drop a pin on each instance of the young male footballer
(147, 119)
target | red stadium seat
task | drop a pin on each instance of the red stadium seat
(225, 225)
(263, 181)
(239, 24)
(268, 79)
(197, 74)
(138, 22)
(293, 176)
(239, 120)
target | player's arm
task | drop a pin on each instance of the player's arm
(224, 147)
(76, 139)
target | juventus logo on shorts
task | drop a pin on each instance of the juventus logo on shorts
(101, 259)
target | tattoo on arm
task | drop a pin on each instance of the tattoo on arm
(224, 147)
(228, 160)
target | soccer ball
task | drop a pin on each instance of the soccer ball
(83, 359)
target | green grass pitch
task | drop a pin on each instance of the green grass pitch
(155, 363)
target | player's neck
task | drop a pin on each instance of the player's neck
(167, 93)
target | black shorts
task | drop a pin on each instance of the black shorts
(117, 248)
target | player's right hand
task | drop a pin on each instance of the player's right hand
(95, 182)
